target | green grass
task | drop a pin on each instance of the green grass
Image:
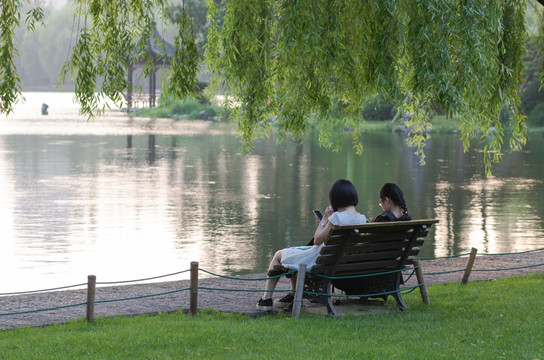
(190, 109)
(442, 124)
(536, 130)
(485, 320)
(375, 125)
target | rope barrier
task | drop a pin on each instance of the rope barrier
(409, 290)
(361, 276)
(444, 257)
(364, 295)
(515, 253)
(403, 290)
(45, 309)
(145, 279)
(241, 290)
(412, 274)
(483, 270)
(97, 302)
(512, 268)
(141, 296)
(43, 290)
(247, 279)
(491, 254)
(445, 272)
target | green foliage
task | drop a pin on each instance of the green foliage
(481, 320)
(191, 109)
(377, 109)
(197, 12)
(532, 96)
(184, 64)
(114, 34)
(536, 118)
(10, 82)
(464, 58)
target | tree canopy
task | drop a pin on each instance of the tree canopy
(282, 62)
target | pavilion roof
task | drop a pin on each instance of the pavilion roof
(158, 48)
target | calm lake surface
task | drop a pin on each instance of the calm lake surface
(127, 199)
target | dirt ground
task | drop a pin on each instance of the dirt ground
(213, 293)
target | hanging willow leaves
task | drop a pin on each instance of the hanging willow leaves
(184, 63)
(116, 33)
(461, 58)
(10, 83)
(285, 63)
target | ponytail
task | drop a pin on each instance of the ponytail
(396, 195)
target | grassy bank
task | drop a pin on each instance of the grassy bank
(192, 109)
(487, 320)
(441, 125)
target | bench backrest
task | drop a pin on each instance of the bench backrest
(371, 248)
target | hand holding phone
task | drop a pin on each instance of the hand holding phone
(318, 214)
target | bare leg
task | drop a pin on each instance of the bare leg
(270, 284)
(269, 287)
(293, 284)
(276, 260)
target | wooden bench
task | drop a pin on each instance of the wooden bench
(372, 248)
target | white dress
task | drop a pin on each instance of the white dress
(293, 256)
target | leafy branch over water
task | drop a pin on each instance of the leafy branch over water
(284, 62)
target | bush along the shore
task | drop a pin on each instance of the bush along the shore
(188, 108)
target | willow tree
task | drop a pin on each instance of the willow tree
(284, 61)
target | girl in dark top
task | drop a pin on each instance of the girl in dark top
(393, 204)
(394, 208)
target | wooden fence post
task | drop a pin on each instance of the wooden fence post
(299, 291)
(421, 280)
(91, 291)
(468, 269)
(193, 299)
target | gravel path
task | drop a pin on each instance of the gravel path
(230, 301)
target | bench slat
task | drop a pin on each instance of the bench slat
(366, 237)
(391, 245)
(337, 239)
(330, 257)
(359, 257)
(368, 249)
(384, 264)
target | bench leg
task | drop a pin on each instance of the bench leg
(421, 282)
(400, 302)
(299, 291)
(328, 299)
(397, 296)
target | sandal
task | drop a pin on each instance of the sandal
(278, 270)
(289, 298)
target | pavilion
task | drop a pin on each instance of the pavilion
(160, 53)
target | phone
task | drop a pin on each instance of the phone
(318, 214)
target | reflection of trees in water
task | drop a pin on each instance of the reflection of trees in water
(166, 200)
(475, 211)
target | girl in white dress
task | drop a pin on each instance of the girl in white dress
(341, 211)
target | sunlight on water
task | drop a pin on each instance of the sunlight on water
(126, 198)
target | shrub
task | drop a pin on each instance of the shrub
(187, 106)
(376, 109)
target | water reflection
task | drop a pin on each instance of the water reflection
(127, 199)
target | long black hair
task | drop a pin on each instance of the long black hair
(343, 194)
(396, 195)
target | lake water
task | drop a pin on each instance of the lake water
(127, 199)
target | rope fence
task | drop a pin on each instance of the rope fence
(43, 290)
(140, 280)
(194, 288)
(472, 258)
